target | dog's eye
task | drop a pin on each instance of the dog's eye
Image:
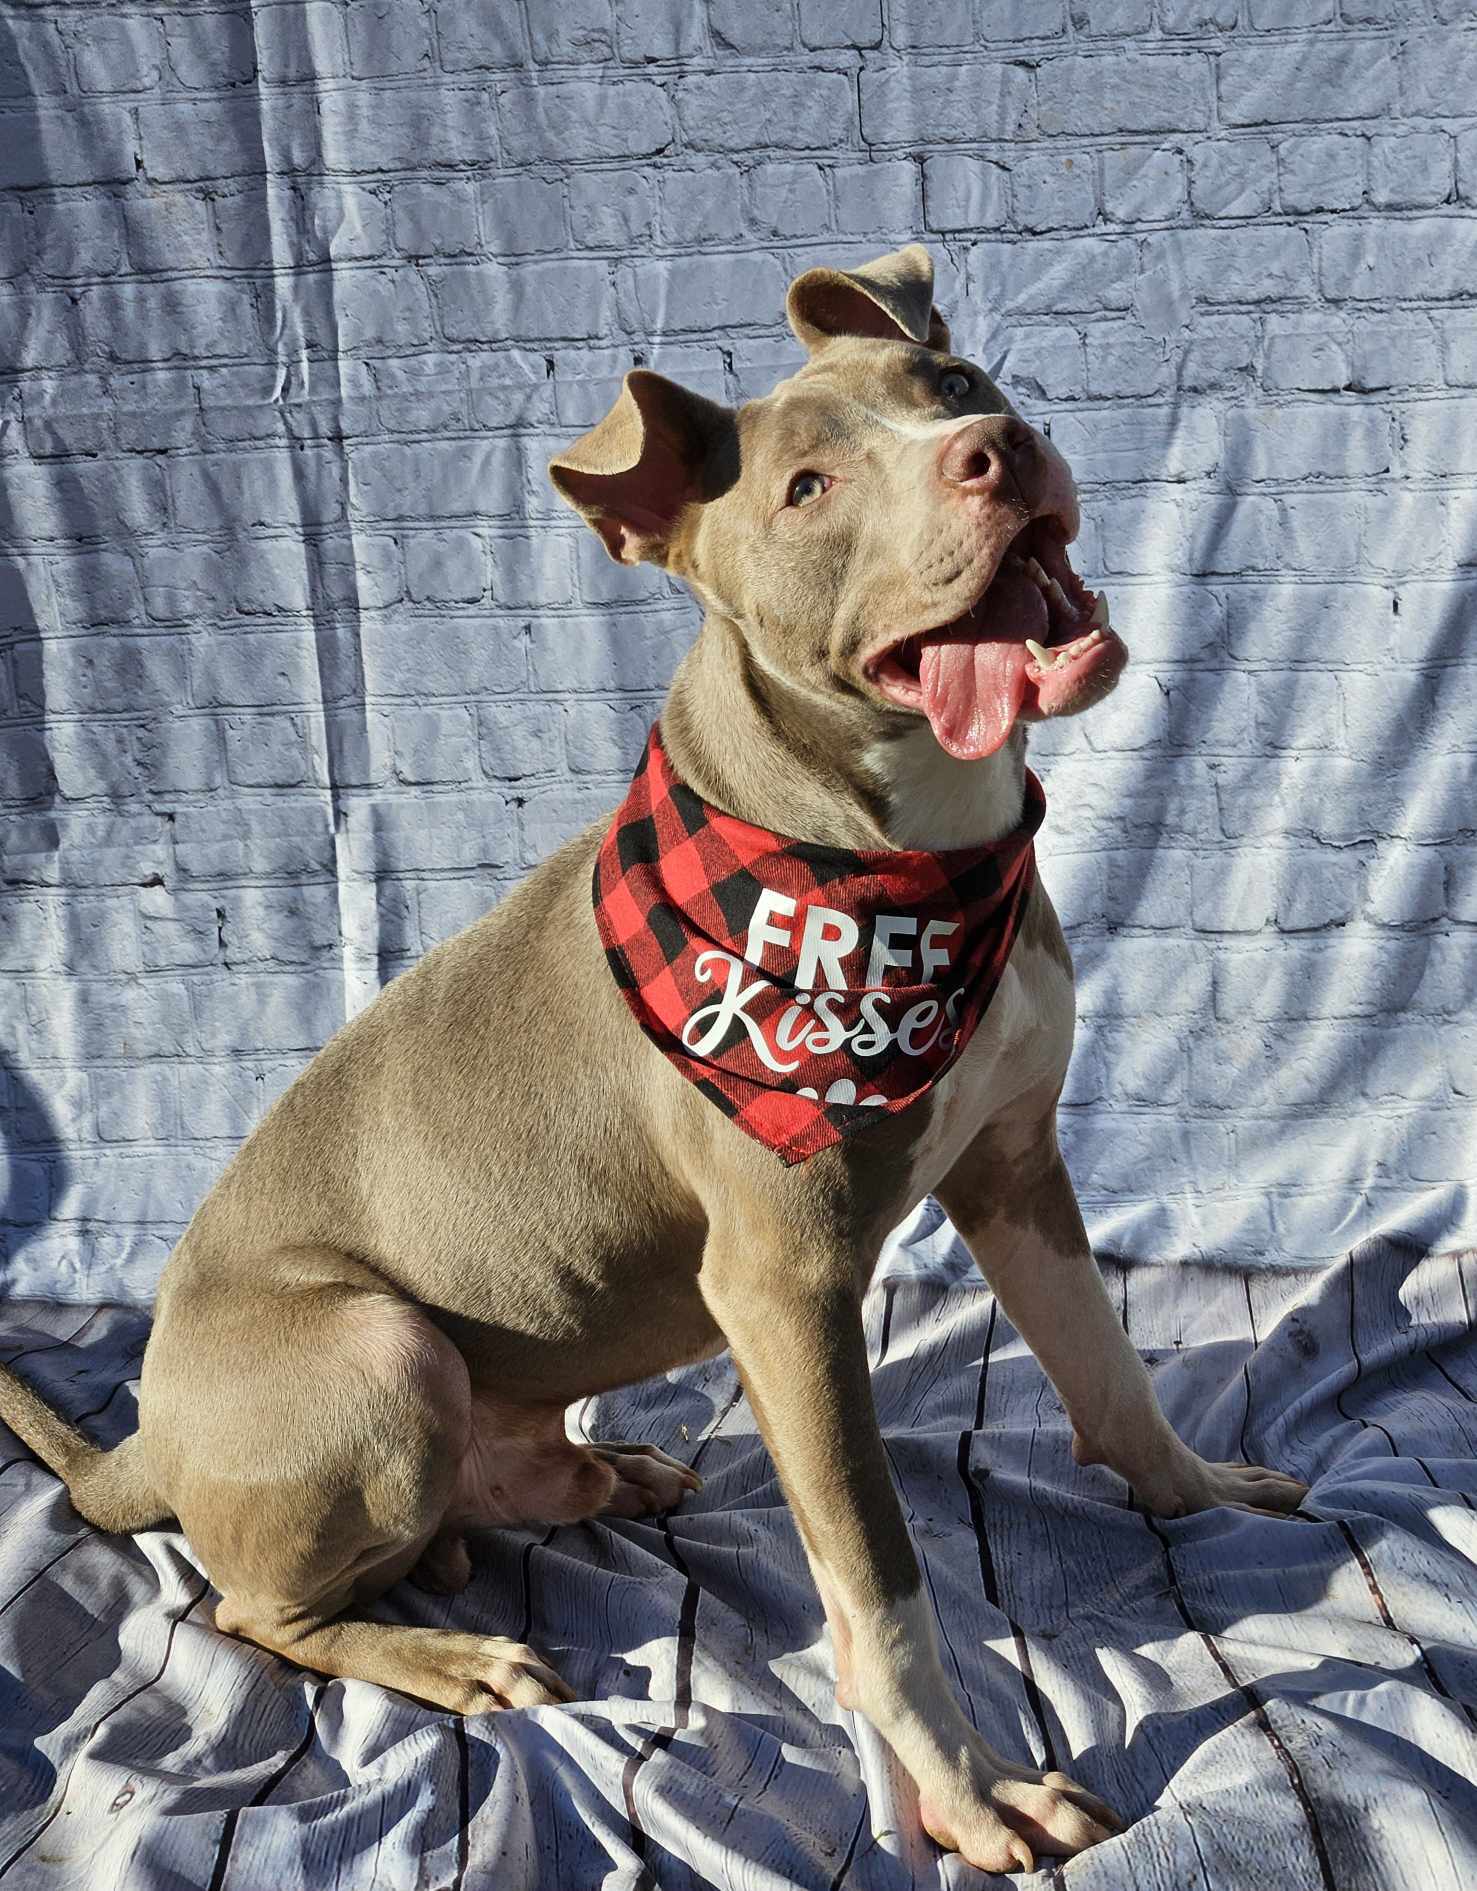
(955, 384)
(806, 486)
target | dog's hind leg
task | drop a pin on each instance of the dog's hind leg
(309, 1427)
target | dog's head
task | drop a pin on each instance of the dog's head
(883, 527)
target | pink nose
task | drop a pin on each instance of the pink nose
(996, 456)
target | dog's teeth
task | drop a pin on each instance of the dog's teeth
(1044, 658)
(1100, 609)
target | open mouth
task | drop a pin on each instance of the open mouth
(1035, 643)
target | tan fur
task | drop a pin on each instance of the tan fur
(489, 1196)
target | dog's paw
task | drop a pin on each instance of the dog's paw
(1002, 1823)
(1177, 1482)
(479, 1674)
(647, 1480)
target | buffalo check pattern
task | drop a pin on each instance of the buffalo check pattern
(676, 887)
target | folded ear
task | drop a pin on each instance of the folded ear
(657, 451)
(890, 299)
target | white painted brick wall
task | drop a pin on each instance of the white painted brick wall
(302, 663)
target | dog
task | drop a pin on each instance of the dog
(499, 1190)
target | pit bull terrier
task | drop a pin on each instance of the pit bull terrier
(505, 1185)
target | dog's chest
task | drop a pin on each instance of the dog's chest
(1020, 1048)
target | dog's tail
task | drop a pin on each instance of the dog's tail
(111, 1489)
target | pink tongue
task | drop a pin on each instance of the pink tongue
(974, 674)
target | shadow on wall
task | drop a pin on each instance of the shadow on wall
(36, 1166)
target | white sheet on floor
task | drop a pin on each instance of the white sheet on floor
(1286, 1703)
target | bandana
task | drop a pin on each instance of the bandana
(802, 988)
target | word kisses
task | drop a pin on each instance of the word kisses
(817, 1024)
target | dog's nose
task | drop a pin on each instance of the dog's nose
(995, 455)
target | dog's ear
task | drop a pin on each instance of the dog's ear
(890, 299)
(656, 452)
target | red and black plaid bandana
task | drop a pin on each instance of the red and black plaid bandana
(802, 988)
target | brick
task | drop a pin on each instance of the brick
(437, 479)
(963, 102)
(1410, 171)
(612, 209)
(112, 501)
(799, 110)
(167, 229)
(1437, 69)
(267, 751)
(519, 740)
(39, 146)
(435, 745)
(825, 23)
(921, 25)
(210, 50)
(136, 1104)
(1114, 92)
(116, 671)
(965, 193)
(301, 42)
(788, 200)
(1438, 439)
(281, 925)
(343, 224)
(1248, 265)
(533, 302)
(446, 567)
(1283, 15)
(580, 32)
(1054, 275)
(1197, 16)
(1123, 361)
(1051, 192)
(605, 655)
(281, 1011)
(120, 53)
(1124, 445)
(751, 26)
(97, 588)
(1233, 177)
(296, 487)
(659, 29)
(223, 138)
(366, 128)
(1304, 352)
(94, 760)
(521, 215)
(1391, 351)
(1324, 173)
(614, 118)
(79, 239)
(253, 668)
(34, 61)
(1321, 893)
(178, 930)
(434, 219)
(704, 205)
(1301, 81)
(1111, 19)
(185, 320)
(1419, 259)
(180, 754)
(457, 657)
(388, 38)
(1023, 19)
(703, 292)
(1143, 183)
(1046, 363)
(877, 196)
(439, 832)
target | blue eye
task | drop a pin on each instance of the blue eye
(806, 486)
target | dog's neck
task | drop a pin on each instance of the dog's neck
(808, 765)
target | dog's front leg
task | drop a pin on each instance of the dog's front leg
(1011, 1199)
(793, 1321)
